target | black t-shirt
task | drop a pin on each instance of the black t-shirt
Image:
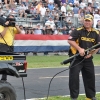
(84, 38)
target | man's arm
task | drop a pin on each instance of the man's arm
(3, 32)
(5, 29)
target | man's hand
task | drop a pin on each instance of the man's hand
(17, 27)
(6, 23)
(90, 54)
(81, 52)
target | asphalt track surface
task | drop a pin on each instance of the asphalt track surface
(37, 82)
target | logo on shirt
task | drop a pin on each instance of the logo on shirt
(88, 39)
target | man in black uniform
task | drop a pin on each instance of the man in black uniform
(79, 40)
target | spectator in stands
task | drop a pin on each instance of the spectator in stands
(38, 29)
(69, 7)
(62, 15)
(57, 22)
(65, 27)
(36, 16)
(12, 12)
(65, 30)
(56, 7)
(64, 22)
(58, 2)
(71, 29)
(76, 10)
(69, 14)
(42, 13)
(48, 30)
(28, 10)
(47, 14)
(53, 14)
(33, 10)
(50, 6)
(89, 7)
(96, 4)
(81, 12)
(13, 4)
(80, 21)
(39, 6)
(63, 8)
(29, 31)
(98, 25)
(22, 29)
(22, 9)
(50, 23)
(58, 31)
(69, 18)
(82, 4)
(86, 11)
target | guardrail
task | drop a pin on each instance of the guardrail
(30, 22)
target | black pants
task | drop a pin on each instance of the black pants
(88, 74)
(5, 48)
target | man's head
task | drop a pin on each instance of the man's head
(11, 17)
(88, 21)
(11, 20)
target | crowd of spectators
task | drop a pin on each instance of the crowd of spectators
(55, 16)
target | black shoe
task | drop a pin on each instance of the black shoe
(91, 98)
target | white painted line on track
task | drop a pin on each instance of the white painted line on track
(61, 76)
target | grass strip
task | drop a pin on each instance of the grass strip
(53, 61)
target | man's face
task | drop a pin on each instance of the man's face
(88, 23)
